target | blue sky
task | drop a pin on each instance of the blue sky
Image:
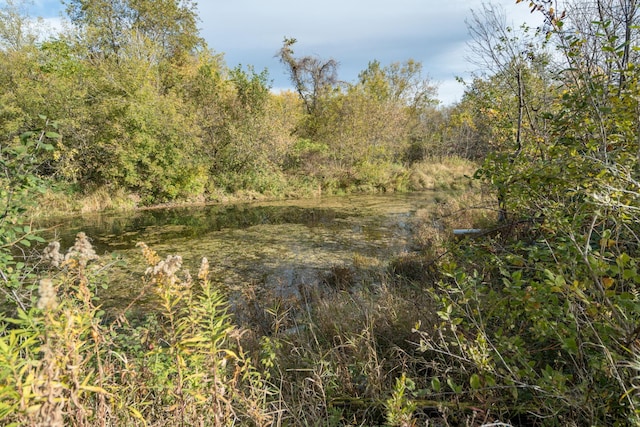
(353, 32)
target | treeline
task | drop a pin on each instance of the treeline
(144, 108)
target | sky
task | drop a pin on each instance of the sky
(352, 32)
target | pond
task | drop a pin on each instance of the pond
(278, 244)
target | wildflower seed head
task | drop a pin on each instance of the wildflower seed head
(203, 272)
(187, 281)
(47, 292)
(52, 255)
(82, 250)
(172, 265)
(166, 268)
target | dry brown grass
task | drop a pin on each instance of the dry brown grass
(340, 346)
(447, 174)
(57, 203)
(473, 208)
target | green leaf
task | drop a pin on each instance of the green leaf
(474, 381)
(570, 345)
(456, 388)
(435, 384)
(26, 135)
(629, 273)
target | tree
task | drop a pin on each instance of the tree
(405, 99)
(313, 78)
(109, 25)
(517, 64)
(17, 29)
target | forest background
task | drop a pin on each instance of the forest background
(534, 323)
(148, 114)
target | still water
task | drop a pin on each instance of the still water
(277, 244)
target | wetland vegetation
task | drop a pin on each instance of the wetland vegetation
(325, 311)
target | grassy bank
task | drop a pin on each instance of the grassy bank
(443, 174)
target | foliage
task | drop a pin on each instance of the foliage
(540, 313)
(64, 365)
(400, 408)
(108, 27)
(19, 188)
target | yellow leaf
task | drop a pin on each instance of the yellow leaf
(34, 408)
(200, 398)
(94, 389)
(137, 414)
(607, 282)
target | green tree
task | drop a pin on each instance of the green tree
(137, 137)
(238, 138)
(107, 26)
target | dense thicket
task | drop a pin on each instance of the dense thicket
(543, 311)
